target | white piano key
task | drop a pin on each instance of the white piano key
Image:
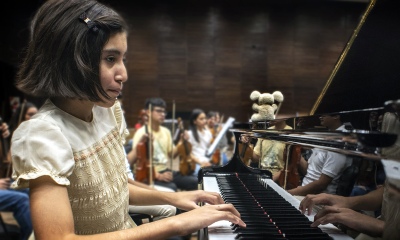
(221, 230)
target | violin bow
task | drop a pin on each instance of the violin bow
(173, 133)
(151, 182)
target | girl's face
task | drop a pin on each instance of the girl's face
(30, 112)
(201, 121)
(112, 67)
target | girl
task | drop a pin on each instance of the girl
(200, 138)
(71, 152)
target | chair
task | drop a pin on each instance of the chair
(348, 178)
(138, 218)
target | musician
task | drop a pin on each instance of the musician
(163, 148)
(323, 168)
(15, 201)
(215, 125)
(271, 152)
(22, 113)
(143, 118)
(200, 138)
(79, 131)
(212, 123)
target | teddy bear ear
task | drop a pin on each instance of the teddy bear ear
(278, 96)
(255, 95)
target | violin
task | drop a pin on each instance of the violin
(184, 148)
(144, 170)
(290, 177)
(216, 157)
(245, 152)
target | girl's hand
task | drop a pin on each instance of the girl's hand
(202, 217)
(189, 200)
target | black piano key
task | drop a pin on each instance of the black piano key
(310, 236)
(301, 230)
(259, 225)
(266, 232)
(259, 236)
(289, 219)
(266, 214)
(284, 225)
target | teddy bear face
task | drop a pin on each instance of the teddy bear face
(265, 106)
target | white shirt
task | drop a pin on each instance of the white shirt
(326, 162)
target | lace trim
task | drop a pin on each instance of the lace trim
(23, 180)
(100, 148)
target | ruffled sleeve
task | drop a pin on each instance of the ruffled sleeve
(39, 148)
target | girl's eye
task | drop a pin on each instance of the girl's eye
(110, 59)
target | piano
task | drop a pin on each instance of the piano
(363, 89)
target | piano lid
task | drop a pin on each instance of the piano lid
(371, 133)
(367, 72)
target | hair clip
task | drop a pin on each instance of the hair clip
(91, 25)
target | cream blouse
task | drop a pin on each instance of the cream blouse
(86, 157)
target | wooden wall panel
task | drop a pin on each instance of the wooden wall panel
(213, 54)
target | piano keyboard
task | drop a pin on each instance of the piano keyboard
(268, 211)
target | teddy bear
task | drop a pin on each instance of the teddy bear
(266, 105)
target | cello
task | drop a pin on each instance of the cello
(184, 148)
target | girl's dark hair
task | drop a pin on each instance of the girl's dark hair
(64, 51)
(195, 114)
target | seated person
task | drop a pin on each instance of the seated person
(371, 176)
(215, 125)
(163, 148)
(323, 168)
(15, 201)
(200, 138)
(323, 171)
(271, 153)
